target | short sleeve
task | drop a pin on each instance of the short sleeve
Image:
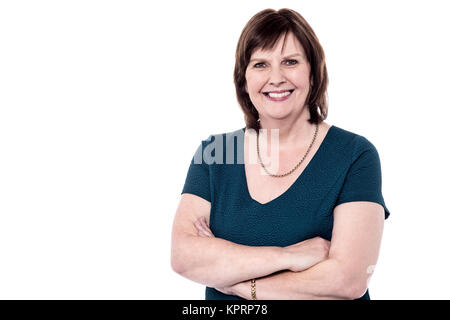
(363, 179)
(198, 177)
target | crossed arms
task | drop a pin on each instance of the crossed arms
(311, 269)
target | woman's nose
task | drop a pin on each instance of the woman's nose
(277, 83)
(276, 77)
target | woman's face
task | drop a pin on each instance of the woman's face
(279, 71)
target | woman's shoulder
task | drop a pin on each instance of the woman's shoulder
(350, 138)
(352, 145)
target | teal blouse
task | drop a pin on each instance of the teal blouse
(345, 168)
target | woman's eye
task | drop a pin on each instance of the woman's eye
(294, 62)
(290, 62)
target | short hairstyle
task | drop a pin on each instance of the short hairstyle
(262, 31)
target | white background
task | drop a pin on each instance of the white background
(103, 103)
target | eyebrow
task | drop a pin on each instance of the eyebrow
(288, 56)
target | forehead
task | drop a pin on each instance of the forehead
(285, 45)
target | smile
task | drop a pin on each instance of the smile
(275, 96)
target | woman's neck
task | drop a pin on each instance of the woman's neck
(291, 134)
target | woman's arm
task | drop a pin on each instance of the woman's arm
(217, 262)
(355, 244)
(323, 281)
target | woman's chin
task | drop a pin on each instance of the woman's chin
(278, 114)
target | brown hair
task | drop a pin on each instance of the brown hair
(262, 31)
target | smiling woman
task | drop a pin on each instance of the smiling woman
(296, 45)
(309, 229)
(278, 79)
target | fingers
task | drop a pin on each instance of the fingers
(206, 227)
(202, 228)
(199, 228)
(202, 231)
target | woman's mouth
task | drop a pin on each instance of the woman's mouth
(278, 96)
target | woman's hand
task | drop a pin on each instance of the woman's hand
(299, 256)
(226, 290)
(203, 229)
(241, 289)
(305, 254)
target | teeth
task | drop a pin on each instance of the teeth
(279, 95)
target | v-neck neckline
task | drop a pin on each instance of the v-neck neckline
(299, 178)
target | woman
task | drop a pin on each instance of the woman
(307, 225)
